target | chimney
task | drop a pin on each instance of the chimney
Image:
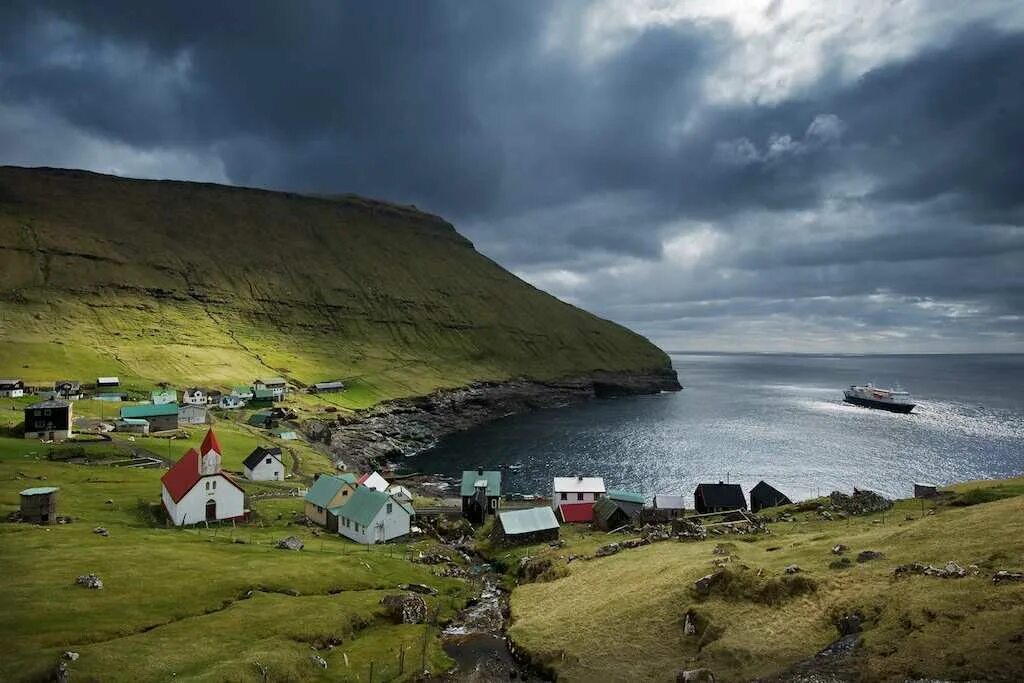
(579, 477)
(480, 470)
(720, 482)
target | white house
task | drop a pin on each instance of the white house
(231, 402)
(192, 415)
(195, 489)
(264, 464)
(194, 396)
(374, 481)
(244, 393)
(369, 516)
(275, 384)
(12, 388)
(576, 490)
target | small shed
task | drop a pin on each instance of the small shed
(764, 495)
(285, 433)
(39, 505)
(925, 490)
(481, 493)
(670, 505)
(533, 525)
(326, 387)
(720, 497)
(107, 382)
(617, 509)
(134, 425)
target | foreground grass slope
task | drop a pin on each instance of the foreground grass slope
(185, 282)
(199, 604)
(621, 618)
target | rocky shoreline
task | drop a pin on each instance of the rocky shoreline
(369, 438)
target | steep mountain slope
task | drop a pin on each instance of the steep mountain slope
(186, 282)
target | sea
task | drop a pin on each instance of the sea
(742, 418)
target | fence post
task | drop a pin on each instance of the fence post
(371, 671)
(401, 659)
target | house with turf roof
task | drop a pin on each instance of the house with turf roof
(264, 464)
(370, 516)
(328, 491)
(481, 494)
(533, 525)
(161, 397)
(197, 490)
(617, 509)
(160, 417)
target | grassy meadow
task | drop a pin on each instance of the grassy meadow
(621, 618)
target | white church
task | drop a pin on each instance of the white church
(196, 490)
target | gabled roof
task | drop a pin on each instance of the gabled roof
(364, 504)
(470, 477)
(259, 453)
(767, 495)
(180, 479)
(210, 444)
(627, 496)
(576, 512)
(666, 501)
(375, 481)
(241, 391)
(150, 410)
(579, 485)
(271, 381)
(263, 393)
(107, 380)
(39, 491)
(721, 495)
(325, 488)
(48, 404)
(604, 508)
(526, 521)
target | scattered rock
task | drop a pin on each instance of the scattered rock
(704, 584)
(868, 555)
(951, 571)
(1004, 575)
(62, 675)
(839, 549)
(690, 624)
(635, 543)
(90, 581)
(417, 588)
(793, 569)
(695, 676)
(405, 609)
(110, 501)
(848, 624)
(862, 502)
(319, 661)
(432, 558)
(723, 549)
(291, 543)
(101, 530)
(71, 656)
(606, 550)
(560, 543)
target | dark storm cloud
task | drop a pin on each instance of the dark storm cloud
(578, 170)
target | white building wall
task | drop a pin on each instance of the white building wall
(264, 472)
(383, 528)
(12, 393)
(195, 399)
(573, 497)
(376, 482)
(191, 509)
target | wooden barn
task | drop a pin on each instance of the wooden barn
(39, 505)
(765, 495)
(720, 497)
(481, 494)
(533, 525)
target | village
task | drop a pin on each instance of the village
(235, 470)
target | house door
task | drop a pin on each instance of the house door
(380, 534)
(211, 510)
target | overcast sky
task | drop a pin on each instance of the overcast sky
(729, 175)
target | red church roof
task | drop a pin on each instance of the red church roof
(180, 479)
(576, 512)
(210, 444)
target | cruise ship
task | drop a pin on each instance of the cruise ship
(870, 396)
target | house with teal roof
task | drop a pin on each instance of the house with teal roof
(328, 491)
(481, 494)
(370, 516)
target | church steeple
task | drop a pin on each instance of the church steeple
(209, 454)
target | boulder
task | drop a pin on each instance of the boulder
(101, 530)
(951, 571)
(90, 581)
(1005, 575)
(606, 550)
(291, 543)
(704, 584)
(839, 549)
(318, 661)
(635, 542)
(690, 624)
(848, 624)
(405, 609)
(432, 558)
(868, 555)
(71, 656)
(417, 588)
(62, 675)
(695, 676)
(793, 569)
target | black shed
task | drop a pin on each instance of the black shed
(719, 497)
(765, 495)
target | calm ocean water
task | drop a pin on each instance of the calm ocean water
(775, 417)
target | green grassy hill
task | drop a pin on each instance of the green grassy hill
(185, 282)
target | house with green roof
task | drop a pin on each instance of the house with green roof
(481, 494)
(161, 417)
(533, 525)
(370, 516)
(328, 491)
(617, 509)
(160, 397)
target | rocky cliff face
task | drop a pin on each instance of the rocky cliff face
(406, 426)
